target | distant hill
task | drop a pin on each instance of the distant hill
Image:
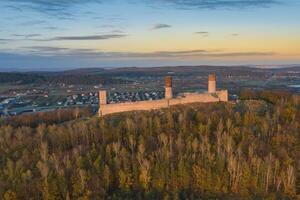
(178, 70)
(21, 78)
(119, 75)
(84, 71)
(67, 78)
(162, 71)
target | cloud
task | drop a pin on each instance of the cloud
(50, 57)
(179, 53)
(26, 35)
(51, 7)
(51, 28)
(14, 8)
(70, 9)
(202, 33)
(4, 40)
(107, 26)
(197, 53)
(243, 54)
(46, 48)
(33, 22)
(216, 4)
(192, 54)
(117, 31)
(160, 26)
(88, 37)
(56, 51)
(54, 28)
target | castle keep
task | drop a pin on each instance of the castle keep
(212, 95)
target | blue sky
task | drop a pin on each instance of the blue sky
(61, 34)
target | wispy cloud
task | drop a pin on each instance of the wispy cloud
(202, 33)
(57, 51)
(4, 40)
(107, 26)
(14, 8)
(215, 4)
(26, 36)
(117, 31)
(51, 7)
(62, 6)
(243, 54)
(53, 28)
(197, 53)
(35, 57)
(160, 26)
(46, 48)
(89, 37)
(33, 22)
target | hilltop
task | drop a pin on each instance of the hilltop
(198, 151)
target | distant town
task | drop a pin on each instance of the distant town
(20, 104)
(22, 93)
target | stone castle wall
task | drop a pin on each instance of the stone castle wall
(223, 95)
(164, 103)
(131, 106)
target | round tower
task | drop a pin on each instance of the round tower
(212, 83)
(168, 87)
(102, 97)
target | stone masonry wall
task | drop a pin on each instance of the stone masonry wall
(164, 103)
(223, 95)
(130, 106)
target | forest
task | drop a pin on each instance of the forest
(248, 149)
(47, 118)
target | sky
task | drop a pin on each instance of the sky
(65, 34)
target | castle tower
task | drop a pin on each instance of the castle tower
(212, 83)
(102, 97)
(168, 87)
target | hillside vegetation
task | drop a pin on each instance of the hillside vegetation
(248, 150)
(58, 116)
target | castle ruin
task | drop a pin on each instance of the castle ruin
(212, 95)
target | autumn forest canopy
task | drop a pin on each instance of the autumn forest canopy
(248, 149)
